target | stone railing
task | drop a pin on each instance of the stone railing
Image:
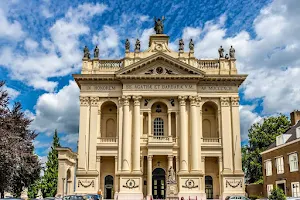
(108, 140)
(208, 64)
(110, 63)
(160, 139)
(211, 140)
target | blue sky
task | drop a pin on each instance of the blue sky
(41, 46)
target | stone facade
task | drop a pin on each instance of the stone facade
(155, 109)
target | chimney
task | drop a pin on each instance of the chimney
(295, 117)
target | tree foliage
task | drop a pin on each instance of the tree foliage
(49, 180)
(277, 194)
(261, 136)
(19, 166)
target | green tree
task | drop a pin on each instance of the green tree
(261, 136)
(33, 189)
(49, 180)
(277, 194)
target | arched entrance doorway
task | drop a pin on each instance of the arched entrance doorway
(209, 187)
(159, 183)
(108, 186)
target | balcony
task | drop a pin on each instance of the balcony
(107, 141)
(211, 142)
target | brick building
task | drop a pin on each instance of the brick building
(281, 161)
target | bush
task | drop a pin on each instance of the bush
(277, 194)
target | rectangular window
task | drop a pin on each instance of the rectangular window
(268, 167)
(279, 165)
(293, 161)
(269, 189)
(295, 189)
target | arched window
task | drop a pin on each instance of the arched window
(158, 127)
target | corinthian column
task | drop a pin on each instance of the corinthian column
(237, 154)
(136, 134)
(194, 137)
(184, 154)
(226, 134)
(126, 162)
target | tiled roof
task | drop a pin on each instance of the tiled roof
(292, 131)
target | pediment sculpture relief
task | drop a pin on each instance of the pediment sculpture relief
(160, 70)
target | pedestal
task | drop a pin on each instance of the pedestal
(86, 182)
(131, 187)
(172, 191)
(190, 186)
(233, 184)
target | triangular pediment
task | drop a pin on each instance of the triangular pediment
(160, 64)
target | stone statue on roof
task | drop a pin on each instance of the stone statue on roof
(96, 52)
(159, 25)
(232, 52)
(181, 45)
(221, 52)
(127, 45)
(137, 45)
(86, 53)
(191, 45)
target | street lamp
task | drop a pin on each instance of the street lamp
(63, 193)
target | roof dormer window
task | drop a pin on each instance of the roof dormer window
(281, 139)
(298, 132)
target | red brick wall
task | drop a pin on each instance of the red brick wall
(287, 175)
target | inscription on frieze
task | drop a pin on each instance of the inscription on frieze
(101, 87)
(164, 87)
(218, 88)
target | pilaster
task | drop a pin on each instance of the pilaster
(84, 120)
(120, 131)
(226, 135)
(126, 150)
(93, 133)
(194, 134)
(237, 154)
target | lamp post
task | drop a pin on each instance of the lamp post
(63, 189)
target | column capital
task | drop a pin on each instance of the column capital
(202, 158)
(137, 100)
(120, 100)
(170, 157)
(182, 100)
(84, 101)
(224, 101)
(98, 158)
(149, 157)
(235, 101)
(94, 101)
(193, 100)
(126, 100)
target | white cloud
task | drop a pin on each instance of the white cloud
(10, 30)
(70, 138)
(58, 111)
(12, 93)
(107, 41)
(271, 58)
(61, 55)
(247, 117)
(30, 44)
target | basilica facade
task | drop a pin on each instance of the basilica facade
(153, 113)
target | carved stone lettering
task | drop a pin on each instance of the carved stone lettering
(159, 87)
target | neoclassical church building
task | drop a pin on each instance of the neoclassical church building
(156, 124)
